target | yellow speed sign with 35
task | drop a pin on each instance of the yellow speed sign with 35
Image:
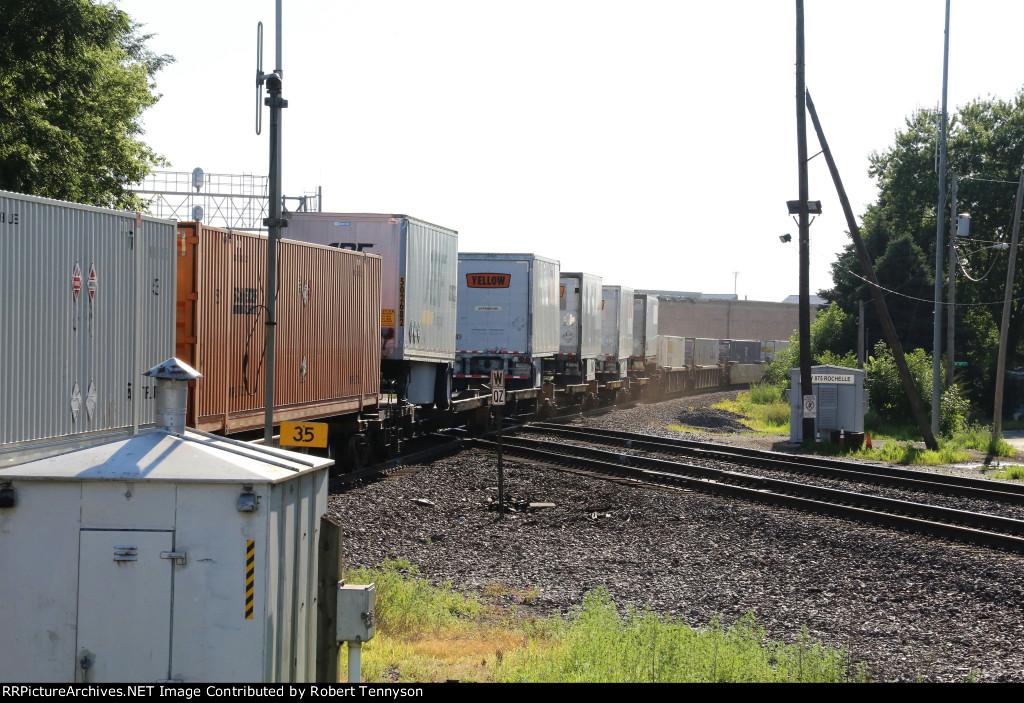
(304, 434)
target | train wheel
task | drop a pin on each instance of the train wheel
(357, 453)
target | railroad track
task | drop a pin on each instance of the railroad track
(837, 469)
(960, 525)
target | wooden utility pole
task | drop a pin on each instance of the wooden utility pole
(906, 380)
(940, 212)
(951, 287)
(804, 326)
(1004, 327)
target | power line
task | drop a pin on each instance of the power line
(925, 300)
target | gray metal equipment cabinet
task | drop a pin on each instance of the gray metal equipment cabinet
(162, 557)
(841, 401)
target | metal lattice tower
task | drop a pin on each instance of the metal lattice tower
(230, 200)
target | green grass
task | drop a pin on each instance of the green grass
(761, 409)
(406, 605)
(979, 437)
(1015, 473)
(696, 430)
(766, 394)
(600, 645)
(428, 633)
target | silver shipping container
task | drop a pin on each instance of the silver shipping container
(671, 351)
(418, 290)
(701, 352)
(645, 326)
(508, 315)
(580, 307)
(616, 322)
(87, 304)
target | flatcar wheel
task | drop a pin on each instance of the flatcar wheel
(357, 453)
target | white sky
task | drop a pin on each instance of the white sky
(652, 142)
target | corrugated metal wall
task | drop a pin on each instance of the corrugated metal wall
(418, 279)
(327, 358)
(671, 351)
(431, 270)
(616, 321)
(72, 364)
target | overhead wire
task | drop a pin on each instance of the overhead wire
(925, 300)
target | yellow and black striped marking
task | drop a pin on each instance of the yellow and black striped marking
(250, 576)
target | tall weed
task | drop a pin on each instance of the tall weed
(600, 645)
(979, 437)
(407, 605)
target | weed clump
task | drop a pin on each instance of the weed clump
(600, 645)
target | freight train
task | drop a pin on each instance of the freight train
(382, 326)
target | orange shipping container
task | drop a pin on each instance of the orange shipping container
(327, 343)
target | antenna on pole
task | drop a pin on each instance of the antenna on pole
(275, 221)
(259, 77)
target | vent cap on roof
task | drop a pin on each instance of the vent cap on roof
(174, 369)
(172, 377)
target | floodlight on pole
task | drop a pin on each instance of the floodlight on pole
(813, 207)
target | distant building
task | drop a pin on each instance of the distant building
(815, 300)
(718, 318)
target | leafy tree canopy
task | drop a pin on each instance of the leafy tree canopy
(75, 77)
(985, 150)
(830, 334)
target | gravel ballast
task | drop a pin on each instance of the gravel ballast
(909, 607)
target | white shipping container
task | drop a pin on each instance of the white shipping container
(616, 322)
(418, 286)
(154, 568)
(580, 307)
(671, 351)
(508, 312)
(645, 326)
(87, 304)
(701, 352)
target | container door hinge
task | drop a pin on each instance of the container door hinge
(178, 557)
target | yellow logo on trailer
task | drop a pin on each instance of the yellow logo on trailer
(304, 434)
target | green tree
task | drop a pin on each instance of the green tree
(75, 77)
(831, 334)
(986, 146)
(887, 399)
